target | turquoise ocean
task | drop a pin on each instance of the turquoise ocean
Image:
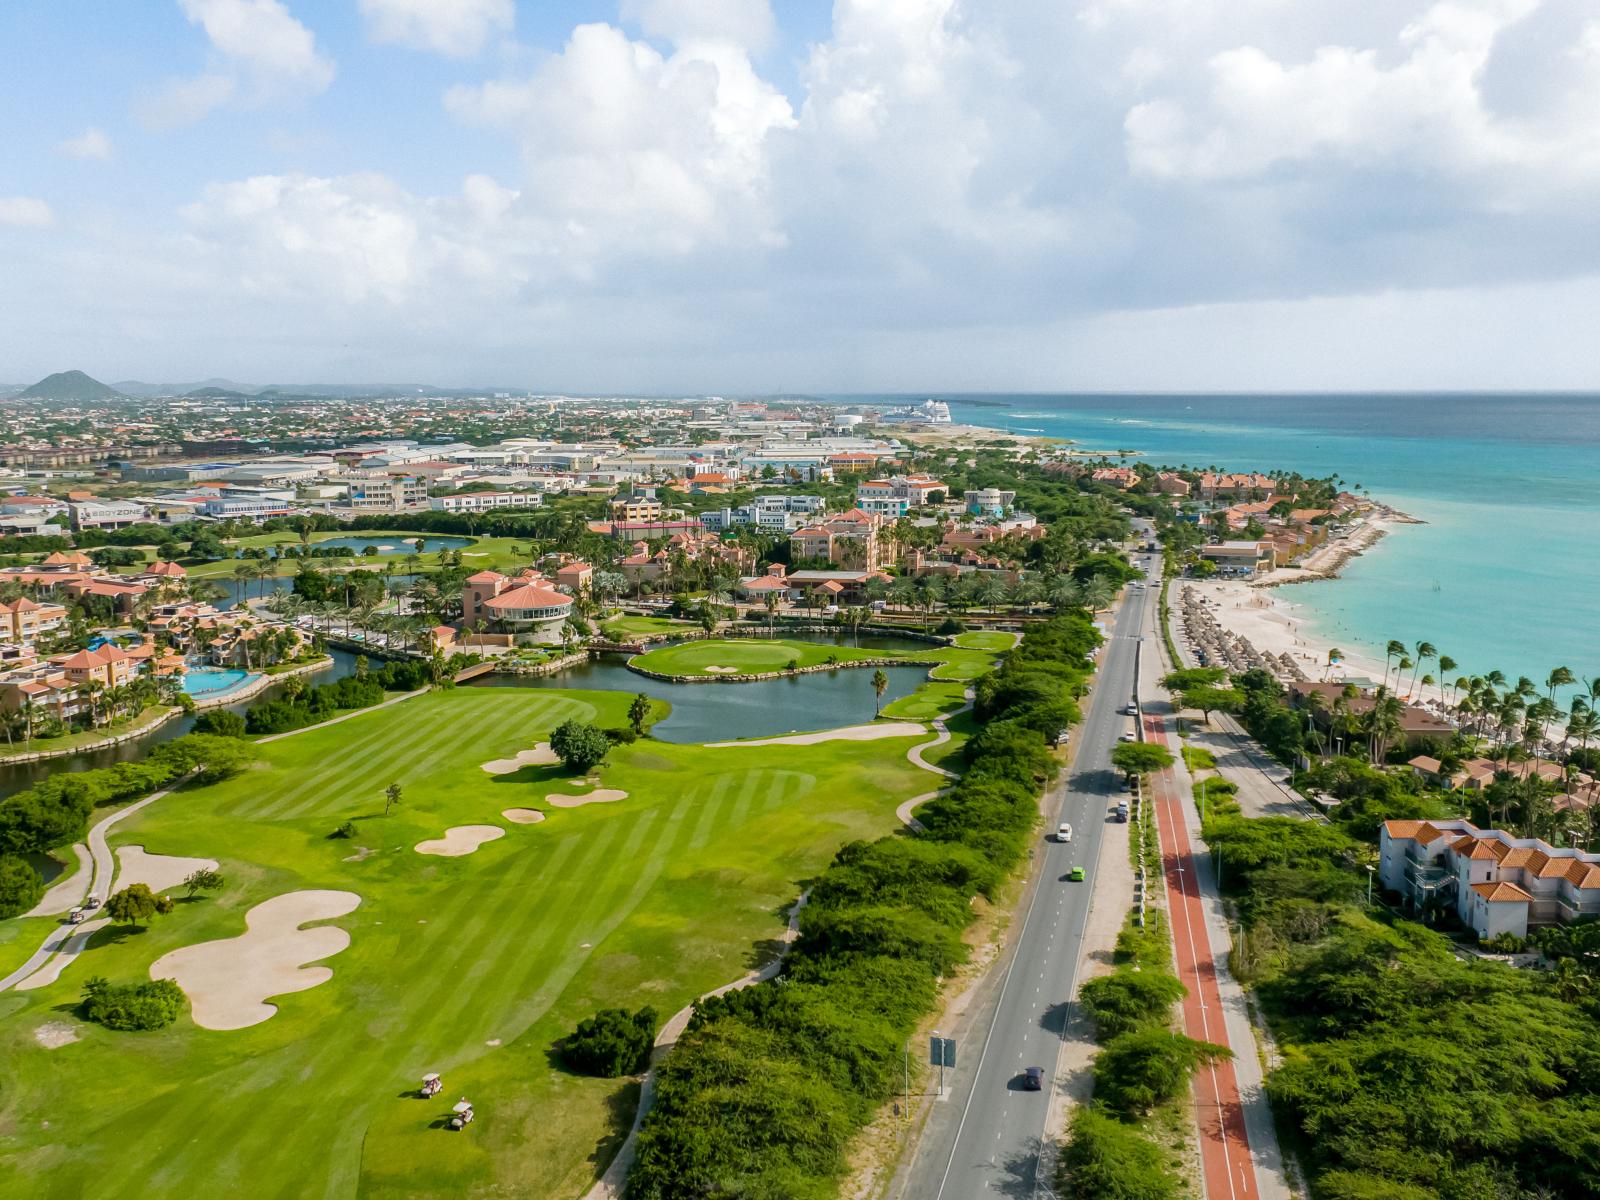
(1505, 572)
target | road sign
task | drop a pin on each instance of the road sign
(949, 1052)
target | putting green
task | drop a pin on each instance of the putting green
(746, 656)
(471, 966)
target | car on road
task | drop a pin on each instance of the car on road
(1130, 736)
(1033, 1079)
(1130, 710)
(1064, 832)
(1075, 875)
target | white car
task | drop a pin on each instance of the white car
(1130, 736)
(1064, 832)
(1130, 710)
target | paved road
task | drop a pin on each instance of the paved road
(985, 1139)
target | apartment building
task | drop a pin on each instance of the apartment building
(386, 493)
(23, 621)
(480, 502)
(1494, 882)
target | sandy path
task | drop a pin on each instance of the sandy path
(522, 816)
(850, 733)
(540, 756)
(69, 892)
(460, 839)
(229, 981)
(158, 872)
(598, 796)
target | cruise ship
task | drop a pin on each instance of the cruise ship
(929, 412)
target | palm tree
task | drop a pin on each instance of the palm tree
(1425, 651)
(1446, 665)
(1064, 593)
(1383, 725)
(1394, 649)
(1560, 677)
(1316, 706)
(880, 684)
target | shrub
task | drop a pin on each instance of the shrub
(950, 627)
(1107, 1160)
(347, 830)
(221, 722)
(149, 1005)
(613, 1042)
(1129, 1000)
(1139, 1070)
(620, 735)
(20, 886)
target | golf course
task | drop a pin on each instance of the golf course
(499, 902)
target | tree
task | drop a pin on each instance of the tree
(580, 745)
(391, 797)
(221, 722)
(203, 880)
(639, 712)
(1140, 758)
(880, 684)
(151, 1004)
(1212, 699)
(20, 885)
(1137, 1071)
(136, 903)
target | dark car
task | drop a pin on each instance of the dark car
(1033, 1079)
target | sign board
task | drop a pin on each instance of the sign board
(942, 1052)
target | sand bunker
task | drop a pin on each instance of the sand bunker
(159, 872)
(522, 816)
(54, 1034)
(229, 981)
(851, 733)
(722, 670)
(540, 756)
(598, 796)
(460, 839)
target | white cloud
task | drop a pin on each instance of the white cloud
(745, 23)
(458, 28)
(91, 144)
(633, 151)
(259, 53)
(28, 212)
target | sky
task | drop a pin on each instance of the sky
(778, 195)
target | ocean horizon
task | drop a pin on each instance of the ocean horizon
(1504, 570)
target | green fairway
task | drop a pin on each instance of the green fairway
(621, 629)
(472, 966)
(747, 656)
(985, 639)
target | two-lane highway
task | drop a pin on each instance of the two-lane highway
(985, 1139)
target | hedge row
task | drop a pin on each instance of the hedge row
(352, 692)
(768, 1085)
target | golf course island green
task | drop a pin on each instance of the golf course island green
(733, 657)
(473, 965)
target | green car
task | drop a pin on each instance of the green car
(1075, 875)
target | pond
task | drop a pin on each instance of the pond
(398, 543)
(717, 712)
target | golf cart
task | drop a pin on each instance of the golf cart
(77, 916)
(432, 1085)
(91, 902)
(461, 1114)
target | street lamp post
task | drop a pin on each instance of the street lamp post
(1371, 871)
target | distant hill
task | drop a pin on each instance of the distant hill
(216, 393)
(137, 387)
(73, 386)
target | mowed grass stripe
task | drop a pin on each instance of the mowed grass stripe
(254, 1135)
(708, 811)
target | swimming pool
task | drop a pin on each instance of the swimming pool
(210, 682)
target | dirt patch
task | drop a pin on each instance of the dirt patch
(540, 756)
(159, 872)
(460, 839)
(598, 796)
(850, 733)
(229, 981)
(522, 816)
(54, 1034)
(361, 855)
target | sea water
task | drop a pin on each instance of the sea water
(1505, 574)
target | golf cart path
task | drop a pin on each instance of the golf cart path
(69, 893)
(941, 736)
(611, 1184)
(69, 940)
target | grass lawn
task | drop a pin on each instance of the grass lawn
(623, 628)
(500, 554)
(986, 639)
(750, 656)
(932, 699)
(19, 938)
(150, 715)
(472, 966)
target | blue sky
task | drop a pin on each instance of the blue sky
(720, 195)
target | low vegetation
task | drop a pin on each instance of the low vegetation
(318, 704)
(152, 1004)
(613, 1042)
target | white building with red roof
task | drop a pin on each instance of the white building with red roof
(1496, 883)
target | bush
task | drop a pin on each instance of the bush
(1129, 1000)
(150, 1005)
(620, 735)
(347, 830)
(221, 722)
(1107, 1160)
(1137, 1071)
(613, 1042)
(950, 627)
(580, 745)
(20, 886)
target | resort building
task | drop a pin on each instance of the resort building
(849, 540)
(386, 493)
(525, 607)
(1215, 487)
(1495, 883)
(476, 502)
(989, 502)
(22, 620)
(630, 509)
(107, 665)
(1240, 558)
(1122, 477)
